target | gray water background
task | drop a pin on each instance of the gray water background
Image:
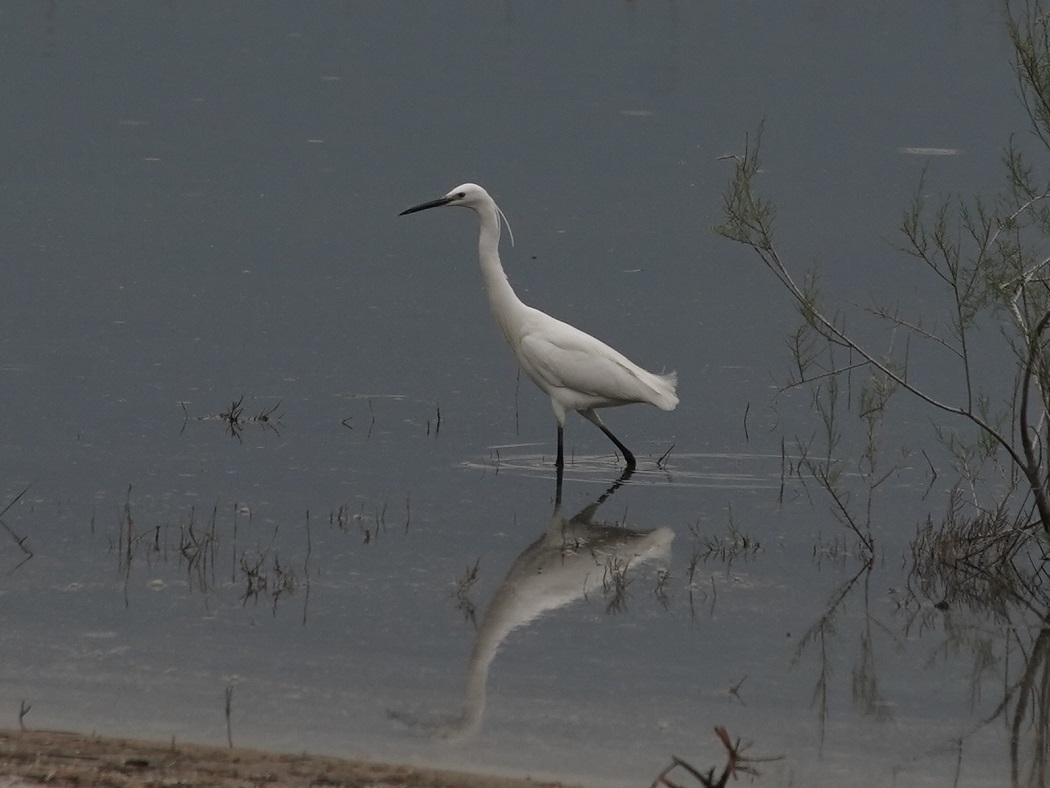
(199, 204)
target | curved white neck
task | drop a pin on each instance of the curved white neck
(503, 301)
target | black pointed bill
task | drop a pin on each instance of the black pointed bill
(423, 206)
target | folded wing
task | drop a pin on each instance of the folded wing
(563, 361)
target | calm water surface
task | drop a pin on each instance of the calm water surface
(199, 216)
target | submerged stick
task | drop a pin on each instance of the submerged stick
(229, 725)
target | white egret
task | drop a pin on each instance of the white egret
(577, 371)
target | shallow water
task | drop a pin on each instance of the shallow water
(200, 214)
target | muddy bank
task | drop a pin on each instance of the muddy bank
(58, 758)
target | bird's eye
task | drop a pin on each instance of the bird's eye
(460, 195)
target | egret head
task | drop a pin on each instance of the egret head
(467, 195)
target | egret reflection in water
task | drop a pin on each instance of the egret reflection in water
(571, 559)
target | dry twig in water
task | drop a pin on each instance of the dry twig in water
(736, 764)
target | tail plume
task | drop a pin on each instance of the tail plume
(666, 398)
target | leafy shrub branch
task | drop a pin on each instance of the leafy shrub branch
(985, 259)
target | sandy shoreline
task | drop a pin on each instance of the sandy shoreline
(59, 758)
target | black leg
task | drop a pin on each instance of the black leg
(623, 449)
(593, 418)
(561, 452)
